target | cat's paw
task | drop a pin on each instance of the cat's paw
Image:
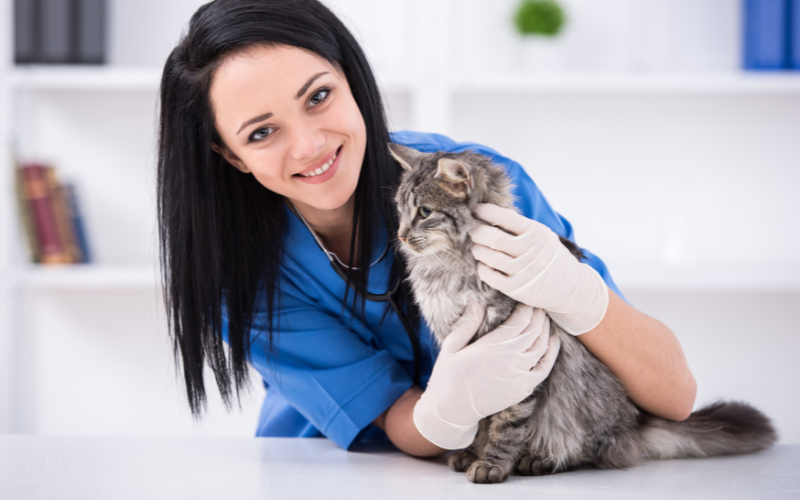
(532, 465)
(461, 460)
(483, 472)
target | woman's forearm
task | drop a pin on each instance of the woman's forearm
(641, 351)
(398, 423)
(646, 356)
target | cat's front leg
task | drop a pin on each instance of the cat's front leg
(506, 441)
(537, 465)
(461, 460)
(534, 465)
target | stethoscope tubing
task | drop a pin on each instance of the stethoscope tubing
(388, 296)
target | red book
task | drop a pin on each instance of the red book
(42, 209)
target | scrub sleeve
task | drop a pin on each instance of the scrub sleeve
(332, 370)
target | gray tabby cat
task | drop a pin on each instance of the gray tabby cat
(580, 416)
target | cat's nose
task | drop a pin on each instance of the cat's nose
(401, 239)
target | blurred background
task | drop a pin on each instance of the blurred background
(666, 131)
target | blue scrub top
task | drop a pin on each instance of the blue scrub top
(335, 370)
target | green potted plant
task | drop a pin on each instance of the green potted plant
(539, 22)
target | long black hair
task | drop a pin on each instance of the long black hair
(221, 231)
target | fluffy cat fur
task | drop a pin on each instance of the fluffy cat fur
(580, 416)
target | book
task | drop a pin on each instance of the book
(63, 217)
(25, 216)
(57, 27)
(766, 34)
(78, 225)
(91, 35)
(26, 31)
(794, 34)
(50, 249)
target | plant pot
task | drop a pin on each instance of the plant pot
(542, 54)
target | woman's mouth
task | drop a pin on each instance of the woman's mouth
(324, 168)
(324, 172)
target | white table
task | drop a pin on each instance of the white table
(44, 467)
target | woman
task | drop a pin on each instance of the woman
(273, 164)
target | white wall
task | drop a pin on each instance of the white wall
(658, 184)
(698, 183)
(607, 35)
(739, 345)
(101, 364)
(143, 32)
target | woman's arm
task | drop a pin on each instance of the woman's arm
(647, 358)
(641, 351)
(398, 423)
(528, 262)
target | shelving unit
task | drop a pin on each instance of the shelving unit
(412, 86)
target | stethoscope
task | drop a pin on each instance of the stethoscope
(338, 266)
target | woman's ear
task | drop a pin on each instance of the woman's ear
(230, 157)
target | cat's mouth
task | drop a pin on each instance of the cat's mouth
(414, 244)
(419, 245)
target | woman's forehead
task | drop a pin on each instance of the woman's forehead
(246, 74)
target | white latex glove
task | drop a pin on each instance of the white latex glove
(537, 269)
(497, 371)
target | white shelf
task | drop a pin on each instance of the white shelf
(58, 77)
(724, 83)
(87, 277)
(64, 77)
(133, 78)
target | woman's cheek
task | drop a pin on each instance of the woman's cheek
(270, 172)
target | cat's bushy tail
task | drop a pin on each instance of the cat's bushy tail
(722, 428)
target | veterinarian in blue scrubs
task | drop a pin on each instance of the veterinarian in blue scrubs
(272, 143)
(368, 366)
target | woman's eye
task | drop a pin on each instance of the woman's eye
(424, 212)
(261, 134)
(319, 96)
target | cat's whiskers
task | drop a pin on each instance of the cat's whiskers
(433, 255)
(460, 258)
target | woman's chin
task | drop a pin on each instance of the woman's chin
(326, 203)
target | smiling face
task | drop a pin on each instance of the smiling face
(288, 117)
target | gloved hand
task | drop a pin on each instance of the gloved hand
(539, 270)
(497, 371)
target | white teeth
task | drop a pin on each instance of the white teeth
(322, 169)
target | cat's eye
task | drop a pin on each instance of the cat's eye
(424, 212)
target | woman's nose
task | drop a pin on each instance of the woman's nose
(307, 143)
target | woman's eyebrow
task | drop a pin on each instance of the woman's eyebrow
(253, 120)
(308, 84)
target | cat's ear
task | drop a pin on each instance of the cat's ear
(456, 173)
(405, 155)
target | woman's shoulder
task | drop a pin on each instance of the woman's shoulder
(429, 143)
